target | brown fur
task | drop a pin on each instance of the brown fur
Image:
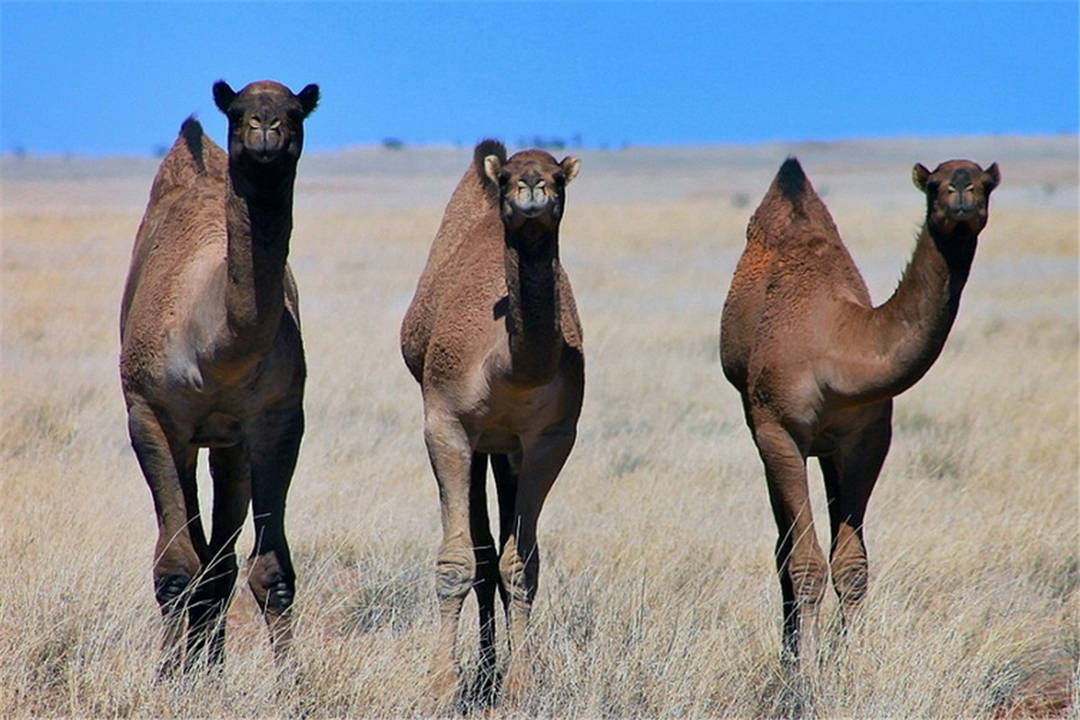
(817, 365)
(493, 338)
(211, 357)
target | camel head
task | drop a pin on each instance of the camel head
(957, 195)
(266, 121)
(531, 187)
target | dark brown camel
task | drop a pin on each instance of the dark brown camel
(211, 357)
(493, 338)
(817, 365)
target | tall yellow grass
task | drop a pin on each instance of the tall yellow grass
(657, 593)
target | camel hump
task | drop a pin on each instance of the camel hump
(793, 190)
(192, 133)
(792, 181)
(791, 210)
(483, 149)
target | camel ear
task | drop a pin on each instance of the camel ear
(919, 173)
(570, 166)
(993, 177)
(223, 96)
(492, 165)
(309, 98)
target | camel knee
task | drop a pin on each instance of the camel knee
(519, 575)
(272, 585)
(170, 591)
(174, 575)
(455, 572)
(808, 580)
(851, 579)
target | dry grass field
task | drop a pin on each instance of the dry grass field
(657, 595)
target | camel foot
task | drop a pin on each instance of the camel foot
(482, 695)
(443, 697)
(517, 683)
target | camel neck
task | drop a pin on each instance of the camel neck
(909, 330)
(259, 224)
(532, 276)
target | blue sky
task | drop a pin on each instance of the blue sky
(118, 78)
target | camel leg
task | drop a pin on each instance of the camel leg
(800, 562)
(849, 480)
(487, 574)
(167, 466)
(206, 615)
(452, 461)
(506, 484)
(519, 564)
(275, 444)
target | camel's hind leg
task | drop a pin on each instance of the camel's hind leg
(232, 493)
(506, 484)
(452, 461)
(275, 445)
(519, 564)
(169, 469)
(800, 563)
(849, 480)
(487, 575)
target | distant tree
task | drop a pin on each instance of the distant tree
(393, 143)
(548, 143)
(160, 150)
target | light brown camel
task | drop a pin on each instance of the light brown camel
(211, 357)
(817, 365)
(493, 338)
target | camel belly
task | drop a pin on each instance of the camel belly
(513, 415)
(218, 429)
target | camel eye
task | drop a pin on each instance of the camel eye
(560, 178)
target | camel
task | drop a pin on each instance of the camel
(817, 365)
(211, 357)
(493, 338)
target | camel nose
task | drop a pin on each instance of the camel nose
(264, 137)
(532, 195)
(962, 199)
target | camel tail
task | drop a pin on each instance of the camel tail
(192, 133)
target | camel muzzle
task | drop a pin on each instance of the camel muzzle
(531, 200)
(264, 143)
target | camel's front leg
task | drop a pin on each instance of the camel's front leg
(849, 479)
(800, 563)
(451, 457)
(169, 468)
(275, 444)
(519, 564)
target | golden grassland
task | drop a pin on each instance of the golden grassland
(657, 594)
